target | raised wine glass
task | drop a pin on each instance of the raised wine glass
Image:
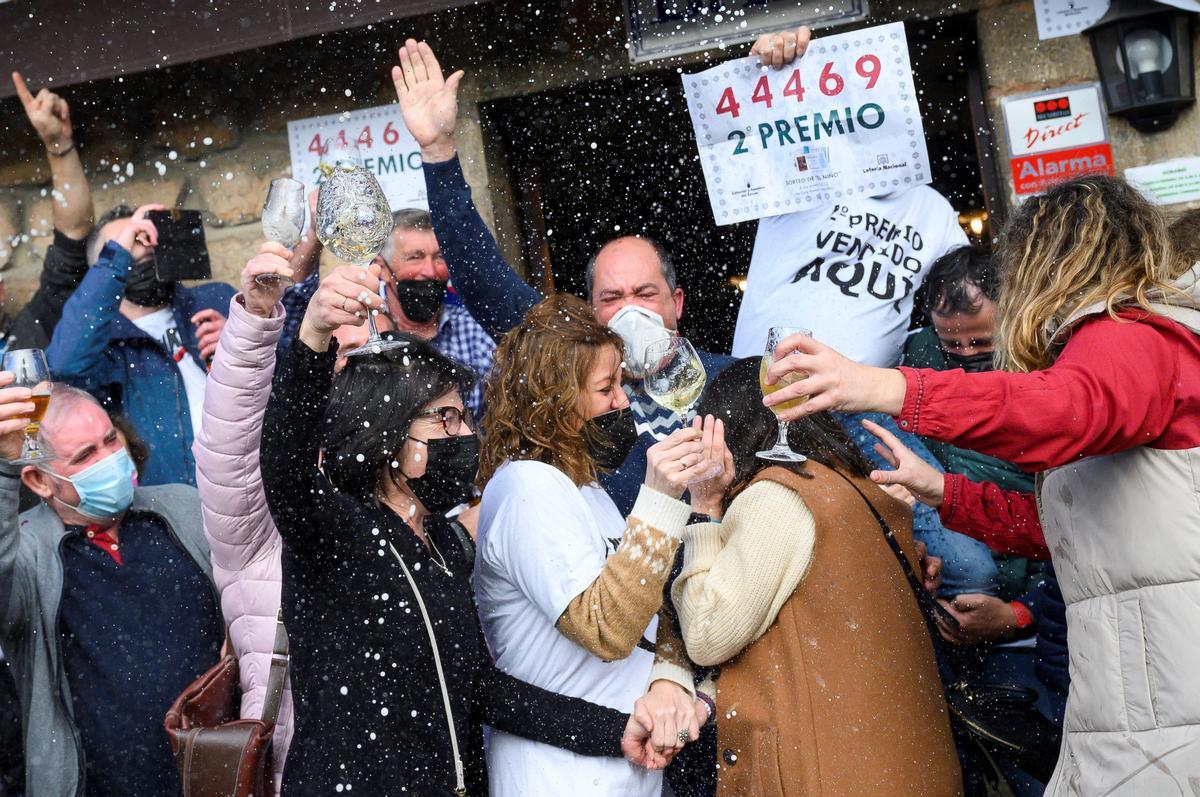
(353, 221)
(283, 219)
(674, 376)
(30, 369)
(781, 451)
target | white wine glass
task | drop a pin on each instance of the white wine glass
(673, 375)
(283, 220)
(781, 451)
(30, 369)
(353, 221)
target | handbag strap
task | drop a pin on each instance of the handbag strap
(933, 611)
(278, 674)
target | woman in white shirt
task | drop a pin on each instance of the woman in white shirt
(567, 588)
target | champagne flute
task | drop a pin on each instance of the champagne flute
(29, 367)
(781, 451)
(283, 219)
(353, 221)
(673, 375)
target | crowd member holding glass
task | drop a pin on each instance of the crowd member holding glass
(1100, 325)
(140, 345)
(827, 681)
(567, 586)
(245, 544)
(390, 674)
(107, 607)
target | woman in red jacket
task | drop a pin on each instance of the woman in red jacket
(1100, 333)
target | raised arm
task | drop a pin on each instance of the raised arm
(16, 581)
(51, 118)
(495, 294)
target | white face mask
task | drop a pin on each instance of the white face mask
(638, 328)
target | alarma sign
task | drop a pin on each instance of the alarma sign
(1056, 135)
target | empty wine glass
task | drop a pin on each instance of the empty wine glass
(781, 451)
(674, 376)
(283, 219)
(30, 369)
(353, 221)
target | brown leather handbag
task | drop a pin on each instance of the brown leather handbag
(217, 754)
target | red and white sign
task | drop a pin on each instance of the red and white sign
(1056, 135)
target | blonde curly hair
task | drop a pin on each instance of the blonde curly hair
(535, 390)
(1088, 241)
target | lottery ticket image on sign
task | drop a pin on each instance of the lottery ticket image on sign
(840, 122)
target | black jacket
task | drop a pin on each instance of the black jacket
(64, 267)
(369, 705)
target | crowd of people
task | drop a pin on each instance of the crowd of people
(499, 566)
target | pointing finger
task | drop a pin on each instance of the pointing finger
(22, 89)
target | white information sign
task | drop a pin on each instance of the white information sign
(388, 150)
(1064, 17)
(841, 122)
(1168, 182)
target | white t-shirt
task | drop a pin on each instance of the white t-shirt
(847, 273)
(160, 325)
(542, 541)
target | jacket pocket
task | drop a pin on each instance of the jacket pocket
(1140, 711)
(768, 773)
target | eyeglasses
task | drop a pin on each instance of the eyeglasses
(452, 418)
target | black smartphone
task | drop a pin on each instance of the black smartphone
(181, 253)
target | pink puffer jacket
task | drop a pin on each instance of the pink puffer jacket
(245, 544)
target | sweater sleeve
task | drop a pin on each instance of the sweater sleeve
(1004, 520)
(76, 350)
(493, 293)
(610, 615)
(737, 574)
(1116, 385)
(62, 271)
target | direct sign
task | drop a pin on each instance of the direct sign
(388, 150)
(840, 122)
(1056, 135)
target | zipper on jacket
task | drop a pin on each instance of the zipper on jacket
(459, 775)
(58, 677)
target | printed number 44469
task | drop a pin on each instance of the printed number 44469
(830, 84)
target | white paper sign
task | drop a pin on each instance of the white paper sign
(1169, 182)
(839, 123)
(388, 150)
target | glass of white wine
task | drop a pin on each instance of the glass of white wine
(674, 376)
(283, 219)
(30, 369)
(353, 221)
(781, 451)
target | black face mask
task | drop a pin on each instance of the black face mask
(610, 438)
(420, 299)
(143, 288)
(449, 478)
(971, 363)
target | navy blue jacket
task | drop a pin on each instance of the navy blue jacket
(1047, 605)
(498, 298)
(101, 351)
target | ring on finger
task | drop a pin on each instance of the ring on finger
(344, 300)
(683, 736)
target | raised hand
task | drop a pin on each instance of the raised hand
(708, 495)
(781, 48)
(260, 298)
(428, 101)
(915, 474)
(48, 113)
(345, 297)
(681, 459)
(832, 382)
(138, 236)
(15, 411)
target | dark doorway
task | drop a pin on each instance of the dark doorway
(597, 160)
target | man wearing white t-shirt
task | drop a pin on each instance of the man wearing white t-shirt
(847, 273)
(140, 345)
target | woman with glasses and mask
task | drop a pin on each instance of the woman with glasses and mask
(390, 675)
(568, 588)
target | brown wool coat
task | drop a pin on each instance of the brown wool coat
(840, 697)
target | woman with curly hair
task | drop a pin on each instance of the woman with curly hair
(1099, 323)
(567, 588)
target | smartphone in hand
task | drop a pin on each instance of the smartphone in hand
(182, 253)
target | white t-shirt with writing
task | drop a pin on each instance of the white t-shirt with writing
(160, 325)
(542, 541)
(848, 273)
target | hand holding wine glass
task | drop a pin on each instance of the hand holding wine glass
(16, 408)
(777, 347)
(260, 292)
(346, 296)
(31, 375)
(283, 221)
(823, 379)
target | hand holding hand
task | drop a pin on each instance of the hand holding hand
(674, 463)
(260, 297)
(708, 495)
(428, 101)
(781, 48)
(344, 297)
(138, 236)
(981, 618)
(918, 476)
(831, 381)
(15, 411)
(636, 745)
(48, 113)
(672, 714)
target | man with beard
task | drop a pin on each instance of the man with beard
(139, 345)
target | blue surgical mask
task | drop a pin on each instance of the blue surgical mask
(105, 489)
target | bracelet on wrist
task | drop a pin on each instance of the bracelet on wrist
(712, 706)
(61, 152)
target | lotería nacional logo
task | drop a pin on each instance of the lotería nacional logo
(1052, 109)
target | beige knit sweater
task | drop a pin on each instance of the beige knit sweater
(738, 573)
